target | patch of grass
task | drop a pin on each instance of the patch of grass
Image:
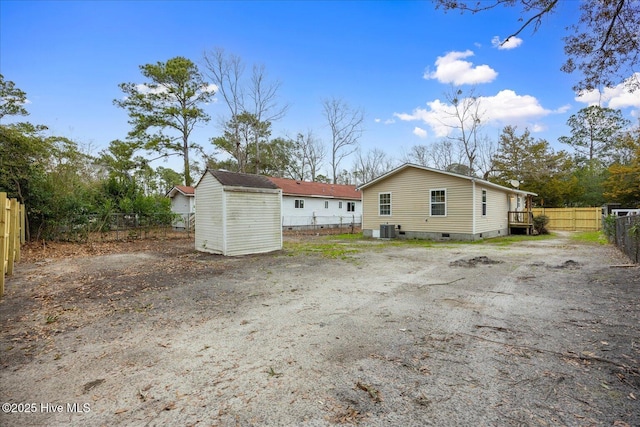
(515, 238)
(333, 250)
(595, 237)
(346, 236)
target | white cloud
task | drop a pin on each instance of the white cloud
(419, 132)
(144, 88)
(512, 43)
(389, 121)
(504, 108)
(616, 97)
(452, 69)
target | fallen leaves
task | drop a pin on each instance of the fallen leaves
(374, 393)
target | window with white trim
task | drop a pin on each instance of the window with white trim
(438, 203)
(484, 202)
(339, 205)
(351, 206)
(299, 203)
(326, 204)
(384, 204)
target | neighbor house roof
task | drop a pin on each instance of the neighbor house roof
(457, 175)
(292, 187)
(182, 189)
(236, 179)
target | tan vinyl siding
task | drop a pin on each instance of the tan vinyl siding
(253, 222)
(209, 235)
(497, 208)
(410, 202)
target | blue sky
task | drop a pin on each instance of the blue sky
(395, 60)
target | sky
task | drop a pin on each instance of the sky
(395, 60)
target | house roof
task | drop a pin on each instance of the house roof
(182, 189)
(292, 187)
(236, 179)
(457, 175)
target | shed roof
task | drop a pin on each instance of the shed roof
(183, 189)
(236, 179)
(470, 178)
(292, 187)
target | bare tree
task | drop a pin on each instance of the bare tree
(308, 155)
(465, 120)
(370, 165)
(418, 155)
(266, 108)
(443, 154)
(602, 43)
(346, 124)
(258, 96)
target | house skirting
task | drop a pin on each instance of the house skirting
(423, 235)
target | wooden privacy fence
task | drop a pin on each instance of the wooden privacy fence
(11, 235)
(572, 219)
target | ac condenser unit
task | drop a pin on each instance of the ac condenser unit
(387, 231)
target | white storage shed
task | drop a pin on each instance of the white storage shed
(238, 214)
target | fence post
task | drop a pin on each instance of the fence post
(13, 222)
(3, 240)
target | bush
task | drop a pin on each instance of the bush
(540, 224)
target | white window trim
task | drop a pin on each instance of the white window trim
(484, 203)
(326, 204)
(352, 204)
(390, 203)
(298, 204)
(431, 202)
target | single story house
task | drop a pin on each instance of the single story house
(238, 214)
(183, 204)
(414, 201)
(317, 204)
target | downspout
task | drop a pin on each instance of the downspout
(473, 209)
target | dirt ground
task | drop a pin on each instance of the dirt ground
(371, 333)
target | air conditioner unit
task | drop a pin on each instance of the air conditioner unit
(387, 231)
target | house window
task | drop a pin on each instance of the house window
(351, 206)
(299, 204)
(326, 204)
(339, 205)
(384, 204)
(484, 202)
(438, 202)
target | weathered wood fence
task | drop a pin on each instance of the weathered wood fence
(572, 219)
(12, 235)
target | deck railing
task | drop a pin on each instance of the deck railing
(520, 218)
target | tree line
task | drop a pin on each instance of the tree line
(58, 178)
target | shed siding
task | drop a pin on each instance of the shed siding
(253, 222)
(209, 235)
(410, 202)
(181, 204)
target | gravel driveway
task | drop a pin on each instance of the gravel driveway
(325, 332)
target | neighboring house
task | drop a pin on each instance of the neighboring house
(317, 204)
(237, 214)
(413, 201)
(183, 203)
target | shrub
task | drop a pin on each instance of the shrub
(540, 224)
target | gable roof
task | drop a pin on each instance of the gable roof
(292, 187)
(457, 175)
(185, 190)
(236, 179)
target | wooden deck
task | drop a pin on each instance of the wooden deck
(521, 220)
